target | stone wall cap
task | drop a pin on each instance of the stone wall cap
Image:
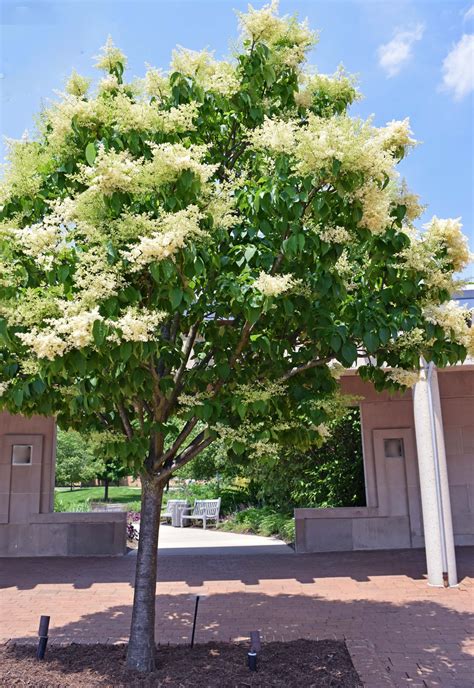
(338, 512)
(80, 517)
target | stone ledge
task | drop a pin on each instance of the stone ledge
(65, 517)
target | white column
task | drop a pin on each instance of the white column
(434, 485)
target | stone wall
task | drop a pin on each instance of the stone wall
(393, 518)
(28, 525)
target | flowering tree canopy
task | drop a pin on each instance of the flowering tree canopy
(192, 256)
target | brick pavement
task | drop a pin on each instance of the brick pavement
(399, 631)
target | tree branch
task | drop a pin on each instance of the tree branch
(189, 453)
(125, 421)
(301, 369)
(178, 376)
(185, 432)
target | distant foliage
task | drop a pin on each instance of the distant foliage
(75, 462)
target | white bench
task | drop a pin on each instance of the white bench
(204, 510)
(171, 510)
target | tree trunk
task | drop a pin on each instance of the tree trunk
(141, 647)
(106, 490)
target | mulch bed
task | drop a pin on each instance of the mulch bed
(296, 664)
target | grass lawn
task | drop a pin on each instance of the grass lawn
(77, 499)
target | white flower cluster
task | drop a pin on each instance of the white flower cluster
(397, 134)
(26, 163)
(95, 280)
(110, 57)
(72, 331)
(407, 378)
(172, 232)
(170, 160)
(221, 207)
(335, 87)
(336, 235)
(140, 115)
(439, 251)
(355, 143)
(376, 204)
(411, 202)
(324, 431)
(112, 171)
(156, 84)
(275, 135)
(448, 233)
(40, 240)
(57, 119)
(138, 325)
(180, 118)
(43, 240)
(290, 39)
(212, 75)
(132, 115)
(77, 85)
(4, 386)
(109, 84)
(260, 391)
(454, 321)
(274, 285)
(412, 339)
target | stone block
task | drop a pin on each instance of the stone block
(391, 532)
(328, 535)
(22, 505)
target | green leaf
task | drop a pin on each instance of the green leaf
(384, 334)
(349, 353)
(18, 396)
(175, 296)
(371, 342)
(249, 253)
(335, 342)
(99, 330)
(90, 153)
(126, 351)
(336, 166)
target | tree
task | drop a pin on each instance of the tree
(201, 246)
(107, 467)
(74, 460)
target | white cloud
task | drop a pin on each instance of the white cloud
(458, 68)
(469, 14)
(394, 54)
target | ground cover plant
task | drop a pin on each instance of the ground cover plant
(192, 258)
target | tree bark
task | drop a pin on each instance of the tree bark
(141, 647)
(106, 490)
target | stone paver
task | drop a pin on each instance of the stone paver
(399, 631)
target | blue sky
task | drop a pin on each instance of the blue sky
(414, 58)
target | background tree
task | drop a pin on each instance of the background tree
(200, 246)
(107, 466)
(74, 459)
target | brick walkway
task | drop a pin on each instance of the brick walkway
(400, 632)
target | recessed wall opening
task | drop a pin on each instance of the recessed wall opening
(393, 448)
(22, 454)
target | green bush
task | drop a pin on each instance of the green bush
(261, 521)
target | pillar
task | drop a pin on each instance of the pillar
(434, 484)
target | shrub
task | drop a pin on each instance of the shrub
(261, 521)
